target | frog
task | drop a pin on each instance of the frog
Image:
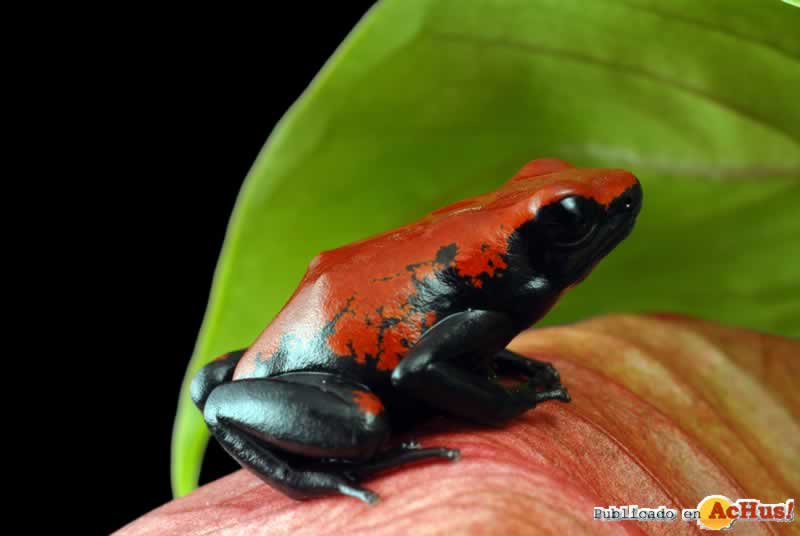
(384, 333)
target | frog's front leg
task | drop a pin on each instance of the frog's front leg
(444, 369)
(307, 434)
(215, 373)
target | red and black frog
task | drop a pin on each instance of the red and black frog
(388, 331)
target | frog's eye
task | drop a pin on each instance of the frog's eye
(570, 221)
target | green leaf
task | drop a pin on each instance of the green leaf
(427, 102)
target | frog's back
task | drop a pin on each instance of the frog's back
(359, 308)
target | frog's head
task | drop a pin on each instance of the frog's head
(579, 216)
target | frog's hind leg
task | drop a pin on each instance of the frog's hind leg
(307, 434)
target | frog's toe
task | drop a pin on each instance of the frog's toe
(411, 445)
(551, 374)
(560, 393)
(361, 494)
(452, 454)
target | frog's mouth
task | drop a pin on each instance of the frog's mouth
(615, 235)
(607, 246)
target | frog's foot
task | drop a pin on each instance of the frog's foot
(539, 373)
(307, 434)
(400, 456)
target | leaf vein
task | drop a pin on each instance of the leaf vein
(621, 68)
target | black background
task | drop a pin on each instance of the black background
(183, 105)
